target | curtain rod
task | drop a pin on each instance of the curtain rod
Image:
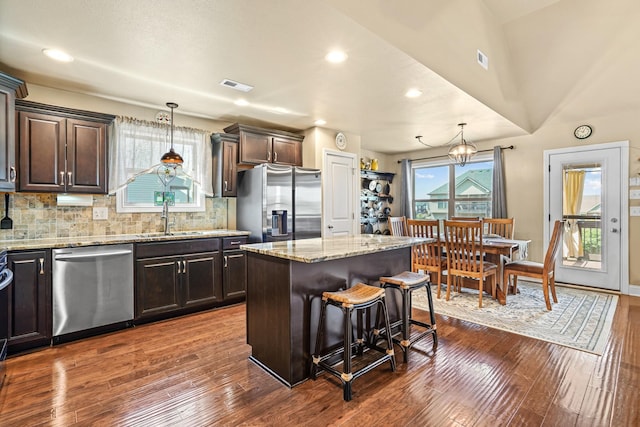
(508, 147)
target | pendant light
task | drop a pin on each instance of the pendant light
(171, 158)
(463, 151)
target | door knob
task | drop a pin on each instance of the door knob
(330, 226)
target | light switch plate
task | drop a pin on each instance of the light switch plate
(635, 211)
(100, 214)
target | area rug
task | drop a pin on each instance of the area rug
(580, 319)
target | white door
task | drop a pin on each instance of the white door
(339, 197)
(585, 190)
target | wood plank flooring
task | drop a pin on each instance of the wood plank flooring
(194, 371)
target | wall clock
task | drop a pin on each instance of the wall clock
(341, 141)
(583, 132)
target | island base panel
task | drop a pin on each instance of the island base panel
(283, 305)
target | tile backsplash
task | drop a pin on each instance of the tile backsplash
(37, 216)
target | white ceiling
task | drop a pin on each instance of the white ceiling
(148, 52)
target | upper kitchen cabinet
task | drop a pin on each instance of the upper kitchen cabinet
(61, 150)
(257, 145)
(225, 164)
(10, 89)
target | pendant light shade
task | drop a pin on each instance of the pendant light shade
(171, 158)
(463, 151)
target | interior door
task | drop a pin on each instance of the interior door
(339, 197)
(584, 190)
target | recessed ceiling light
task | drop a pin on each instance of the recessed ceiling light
(413, 93)
(336, 56)
(58, 55)
(241, 102)
(320, 122)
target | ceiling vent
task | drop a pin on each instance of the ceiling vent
(483, 60)
(236, 85)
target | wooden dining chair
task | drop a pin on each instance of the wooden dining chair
(398, 226)
(503, 227)
(464, 243)
(544, 271)
(464, 218)
(427, 257)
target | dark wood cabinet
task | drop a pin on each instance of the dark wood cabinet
(10, 88)
(27, 319)
(225, 164)
(257, 145)
(62, 150)
(177, 276)
(234, 264)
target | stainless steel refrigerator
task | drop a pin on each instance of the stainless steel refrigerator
(277, 202)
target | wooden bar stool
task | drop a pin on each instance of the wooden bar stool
(358, 298)
(407, 282)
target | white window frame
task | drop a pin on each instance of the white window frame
(482, 157)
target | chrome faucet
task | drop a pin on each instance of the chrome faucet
(165, 216)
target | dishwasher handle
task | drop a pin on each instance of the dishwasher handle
(70, 255)
(7, 280)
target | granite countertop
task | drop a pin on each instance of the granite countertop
(65, 242)
(324, 249)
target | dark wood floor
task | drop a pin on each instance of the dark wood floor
(194, 371)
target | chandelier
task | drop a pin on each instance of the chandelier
(460, 152)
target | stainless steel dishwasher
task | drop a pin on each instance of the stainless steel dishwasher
(92, 286)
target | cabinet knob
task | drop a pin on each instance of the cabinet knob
(226, 186)
(41, 260)
(69, 180)
(275, 156)
(61, 178)
(225, 261)
(12, 173)
(268, 156)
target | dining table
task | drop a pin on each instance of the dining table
(498, 250)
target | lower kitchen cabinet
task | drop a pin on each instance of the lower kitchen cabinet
(234, 273)
(27, 319)
(177, 277)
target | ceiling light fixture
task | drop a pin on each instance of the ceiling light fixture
(320, 122)
(241, 102)
(461, 152)
(58, 55)
(171, 158)
(336, 56)
(413, 93)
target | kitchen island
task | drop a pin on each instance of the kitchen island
(285, 281)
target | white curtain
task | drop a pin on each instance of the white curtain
(136, 147)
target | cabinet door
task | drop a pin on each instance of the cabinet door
(201, 281)
(229, 168)
(86, 157)
(254, 148)
(157, 285)
(287, 151)
(7, 141)
(42, 152)
(234, 274)
(29, 300)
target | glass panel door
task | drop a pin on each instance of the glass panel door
(584, 192)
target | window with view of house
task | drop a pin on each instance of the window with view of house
(443, 190)
(135, 157)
